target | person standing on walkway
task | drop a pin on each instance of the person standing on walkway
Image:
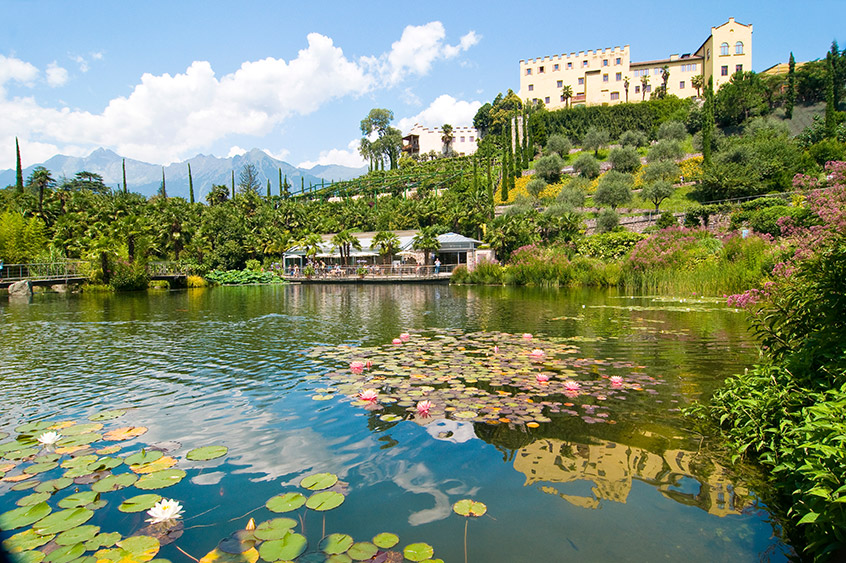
(437, 265)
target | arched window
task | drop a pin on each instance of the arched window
(738, 48)
(724, 49)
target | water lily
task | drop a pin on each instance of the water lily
(405, 337)
(537, 353)
(368, 364)
(369, 395)
(357, 367)
(527, 335)
(164, 510)
(496, 349)
(396, 341)
(49, 438)
(571, 385)
(616, 380)
(423, 407)
(542, 378)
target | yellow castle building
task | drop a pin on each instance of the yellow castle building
(609, 76)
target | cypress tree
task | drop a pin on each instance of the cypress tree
(268, 188)
(530, 140)
(837, 67)
(123, 167)
(190, 185)
(302, 184)
(233, 184)
(708, 123)
(518, 149)
(281, 191)
(526, 156)
(286, 192)
(830, 108)
(163, 191)
(790, 100)
(505, 174)
(19, 181)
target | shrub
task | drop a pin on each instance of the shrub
(158, 284)
(241, 277)
(253, 265)
(607, 221)
(460, 275)
(558, 144)
(608, 246)
(586, 166)
(614, 189)
(665, 150)
(196, 281)
(535, 186)
(549, 168)
(487, 273)
(534, 265)
(666, 219)
(634, 139)
(672, 131)
(572, 195)
(624, 159)
(662, 170)
(126, 276)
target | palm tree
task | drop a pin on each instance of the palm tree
(40, 179)
(665, 76)
(427, 241)
(626, 83)
(447, 137)
(387, 243)
(644, 82)
(311, 244)
(567, 93)
(697, 82)
(345, 242)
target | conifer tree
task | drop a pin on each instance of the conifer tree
(505, 175)
(708, 123)
(163, 189)
(839, 71)
(123, 167)
(281, 189)
(830, 107)
(302, 184)
(268, 188)
(790, 99)
(518, 150)
(286, 188)
(190, 185)
(19, 182)
(526, 156)
(233, 184)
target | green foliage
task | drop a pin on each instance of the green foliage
(657, 191)
(535, 186)
(21, 239)
(743, 97)
(624, 159)
(672, 131)
(241, 277)
(595, 139)
(607, 220)
(572, 194)
(485, 273)
(549, 168)
(608, 246)
(126, 276)
(586, 166)
(634, 139)
(558, 144)
(666, 219)
(665, 150)
(827, 150)
(614, 189)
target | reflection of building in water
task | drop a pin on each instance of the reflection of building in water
(612, 466)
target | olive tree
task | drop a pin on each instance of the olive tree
(614, 189)
(549, 168)
(624, 159)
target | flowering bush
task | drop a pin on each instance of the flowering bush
(670, 248)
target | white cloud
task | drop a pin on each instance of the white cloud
(349, 157)
(444, 109)
(12, 68)
(56, 75)
(278, 155)
(418, 48)
(465, 43)
(97, 56)
(80, 60)
(236, 151)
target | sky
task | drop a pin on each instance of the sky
(162, 81)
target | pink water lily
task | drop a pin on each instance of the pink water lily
(369, 395)
(496, 349)
(527, 335)
(405, 337)
(616, 380)
(396, 341)
(537, 353)
(357, 366)
(542, 378)
(423, 407)
(571, 385)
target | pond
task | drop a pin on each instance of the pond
(559, 410)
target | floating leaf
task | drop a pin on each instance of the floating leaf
(30, 557)
(109, 450)
(125, 433)
(63, 520)
(339, 558)
(139, 503)
(103, 540)
(78, 429)
(390, 418)
(107, 415)
(65, 553)
(37, 468)
(143, 457)
(160, 479)
(418, 551)
(326, 500)
(24, 516)
(33, 427)
(33, 499)
(79, 440)
(114, 483)
(105, 464)
(275, 529)
(386, 540)
(54, 485)
(318, 481)
(25, 541)
(468, 507)
(286, 502)
(79, 461)
(237, 543)
(335, 544)
(77, 500)
(80, 534)
(218, 556)
(142, 548)
(206, 453)
(289, 547)
(362, 551)
(160, 464)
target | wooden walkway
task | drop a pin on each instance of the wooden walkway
(375, 275)
(73, 272)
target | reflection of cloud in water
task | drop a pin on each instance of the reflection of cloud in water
(451, 431)
(419, 479)
(208, 478)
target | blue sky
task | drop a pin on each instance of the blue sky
(162, 81)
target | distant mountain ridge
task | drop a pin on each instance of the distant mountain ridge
(206, 170)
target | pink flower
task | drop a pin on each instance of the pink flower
(571, 394)
(423, 407)
(496, 349)
(616, 380)
(368, 364)
(405, 337)
(571, 385)
(369, 395)
(396, 341)
(357, 366)
(527, 335)
(537, 353)
(542, 378)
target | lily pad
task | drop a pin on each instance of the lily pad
(143, 457)
(77, 500)
(54, 485)
(125, 433)
(80, 439)
(418, 551)
(239, 542)
(103, 540)
(287, 548)
(24, 516)
(114, 483)
(34, 427)
(77, 535)
(386, 540)
(286, 502)
(468, 507)
(362, 551)
(105, 464)
(325, 500)
(335, 544)
(107, 415)
(25, 541)
(142, 548)
(275, 529)
(32, 499)
(160, 464)
(65, 553)
(318, 481)
(160, 479)
(86, 428)
(218, 556)
(30, 557)
(139, 503)
(63, 520)
(206, 453)
(37, 468)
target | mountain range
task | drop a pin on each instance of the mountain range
(206, 170)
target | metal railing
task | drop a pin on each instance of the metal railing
(165, 269)
(387, 271)
(43, 271)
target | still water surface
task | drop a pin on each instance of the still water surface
(231, 366)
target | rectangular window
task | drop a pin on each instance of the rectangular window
(584, 64)
(546, 100)
(531, 87)
(637, 89)
(472, 138)
(656, 71)
(562, 97)
(569, 65)
(605, 78)
(581, 81)
(681, 85)
(738, 68)
(528, 72)
(615, 95)
(618, 77)
(559, 84)
(724, 70)
(462, 139)
(604, 62)
(540, 70)
(648, 88)
(554, 67)
(618, 61)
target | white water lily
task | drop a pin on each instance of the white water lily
(164, 510)
(49, 438)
